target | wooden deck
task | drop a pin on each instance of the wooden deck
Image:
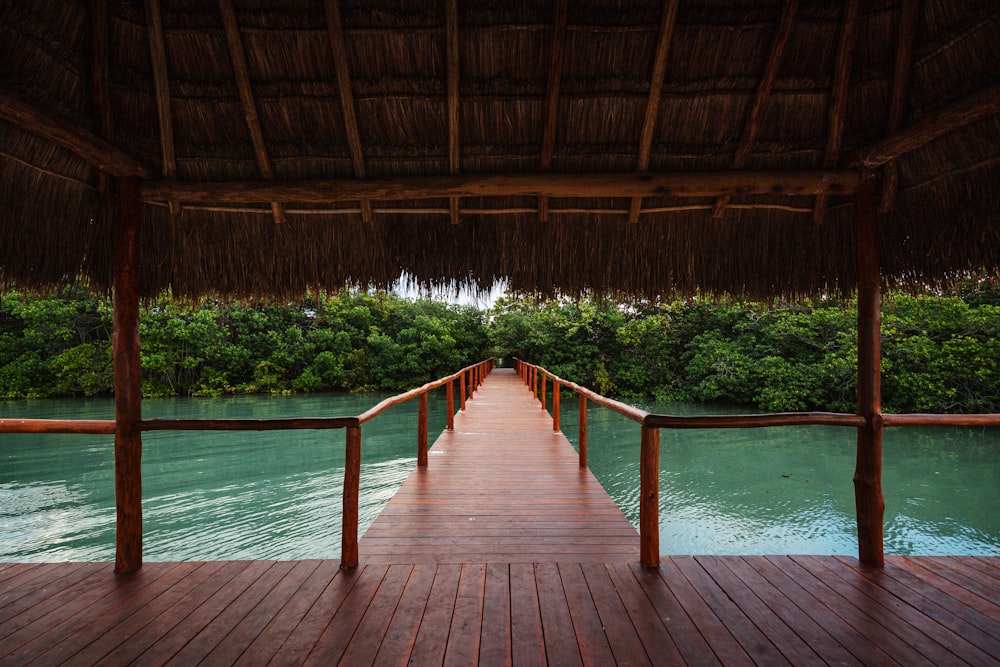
(505, 555)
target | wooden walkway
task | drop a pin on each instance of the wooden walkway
(507, 555)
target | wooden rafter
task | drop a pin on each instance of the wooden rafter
(93, 149)
(161, 84)
(454, 148)
(909, 13)
(633, 184)
(783, 33)
(338, 46)
(849, 26)
(559, 20)
(978, 106)
(100, 38)
(667, 22)
(242, 76)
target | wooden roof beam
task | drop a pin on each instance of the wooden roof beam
(770, 75)
(454, 148)
(242, 76)
(978, 106)
(161, 84)
(849, 26)
(667, 21)
(92, 149)
(100, 49)
(632, 185)
(907, 33)
(559, 20)
(338, 46)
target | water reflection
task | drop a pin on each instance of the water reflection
(249, 495)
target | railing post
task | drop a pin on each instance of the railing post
(543, 390)
(451, 404)
(555, 406)
(868, 498)
(422, 430)
(649, 497)
(534, 383)
(352, 484)
(582, 433)
(461, 390)
(128, 376)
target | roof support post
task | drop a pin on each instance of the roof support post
(869, 502)
(128, 378)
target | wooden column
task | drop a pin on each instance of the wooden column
(128, 381)
(422, 430)
(649, 498)
(868, 497)
(461, 390)
(451, 405)
(555, 406)
(542, 391)
(352, 488)
(582, 431)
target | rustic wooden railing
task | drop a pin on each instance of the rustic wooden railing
(537, 377)
(469, 379)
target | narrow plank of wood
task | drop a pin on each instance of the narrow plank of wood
(917, 587)
(343, 624)
(238, 577)
(655, 638)
(257, 618)
(364, 646)
(590, 634)
(9, 571)
(495, 642)
(712, 629)
(672, 614)
(527, 640)
(982, 565)
(98, 619)
(127, 639)
(622, 636)
(28, 585)
(262, 649)
(812, 600)
(200, 646)
(467, 621)
(432, 636)
(402, 632)
(785, 607)
(916, 630)
(303, 638)
(561, 644)
(956, 572)
(48, 609)
(770, 623)
(753, 641)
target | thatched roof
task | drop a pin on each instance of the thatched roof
(356, 102)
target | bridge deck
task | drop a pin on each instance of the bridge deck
(501, 487)
(503, 552)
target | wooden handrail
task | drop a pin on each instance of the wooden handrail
(91, 426)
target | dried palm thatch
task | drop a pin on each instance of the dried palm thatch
(346, 91)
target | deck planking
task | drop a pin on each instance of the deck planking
(501, 487)
(503, 552)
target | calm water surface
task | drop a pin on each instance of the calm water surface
(247, 495)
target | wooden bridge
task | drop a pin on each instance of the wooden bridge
(503, 549)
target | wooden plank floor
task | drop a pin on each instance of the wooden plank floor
(501, 487)
(505, 555)
(775, 610)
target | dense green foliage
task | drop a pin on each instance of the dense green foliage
(939, 353)
(61, 345)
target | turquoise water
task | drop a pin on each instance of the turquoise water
(248, 495)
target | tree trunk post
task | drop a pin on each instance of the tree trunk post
(422, 430)
(555, 406)
(649, 497)
(450, 391)
(128, 381)
(869, 501)
(582, 431)
(352, 488)
(461, 391)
